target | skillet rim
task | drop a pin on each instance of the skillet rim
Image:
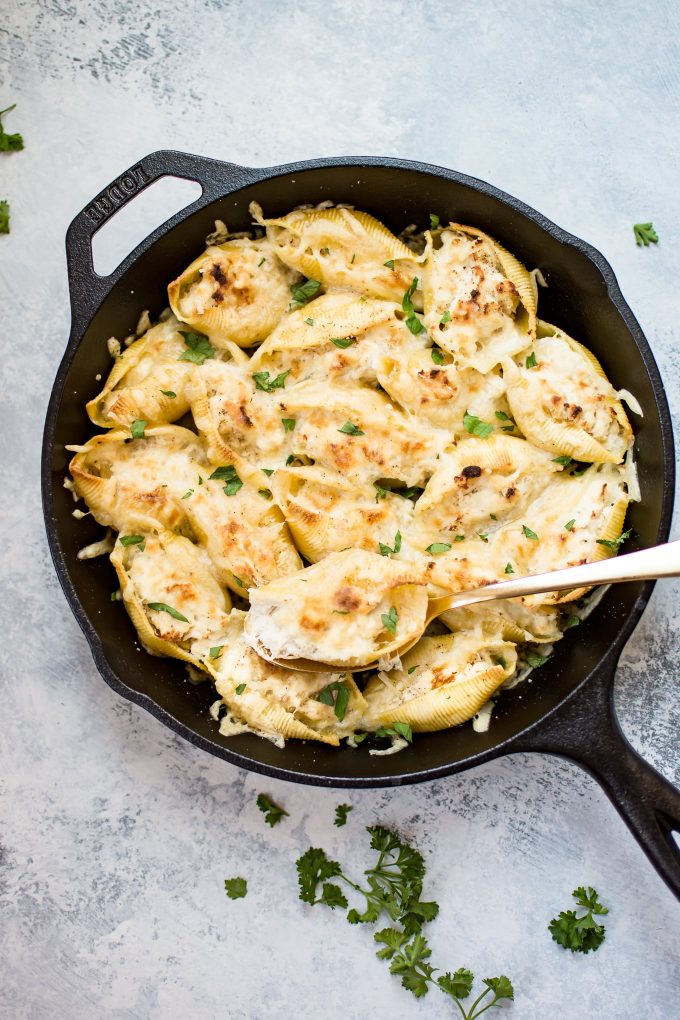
(246, 177)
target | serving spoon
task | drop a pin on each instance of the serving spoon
(645, 565)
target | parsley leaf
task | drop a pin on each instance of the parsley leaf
(235, 888)
(412, 320)
(314, 867)
(476, 427)
(198, 348)
(385, 550)
(645, 234)
(240, 688)
(614, 543)
(580, 932)
(390, 620)
(531, 361)
(169, 393)
(268, 471)
(350, 429)
(397, 729)
(508, 569)
(438, 547)
(564, 460)
(263, 382)
(459, 986)
(389, 264)
(288, 424)
(304, 292)
(437, 356)
(446, 317)
(571, 621)
(528, 533)
(502, 416)
(137, 428)
(216, 651)
(4, 216)
(126, 540)
(9, 143)
(309, 322)
(188, 493)
(229, 475)
(161, 607)
(410, 963)
(272, 812)
(336, 695)
(341, 812)
(569, 526)
(535, 660)
(434, 221)
(343, 342)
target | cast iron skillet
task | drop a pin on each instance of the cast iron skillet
(568, 709)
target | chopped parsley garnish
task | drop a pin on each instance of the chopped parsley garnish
(502, 416)
(389, 264)
(438, 547)
(437, 356)
(343, 342)
(493, 517)
(397, 729)
(4, 216)
(198, 348)
(235, 888)
(215, 651)
(272, 812)
(132, 540)
(137, 428)
(9, 143)
(613, 544)
(390, 620)
(645, 234)
(507, 428)
(484, 538)
(476, 427)
(351, 261)
(263, 382)
(169, 393)
(288, 424)
(188, 493)
(336, 695)
(531, 361)
(508, 569)
(324, 251)
(564, 460)
(350, 429)
(446, 317)
(581, 469)
(386, 550)
(309, 322)
(304, 292)
(161, 607)
(268, 471)
(229, 475)
(265, 493)
(240, 688)
(341, 812)
(535, 660)
(261, 262)
(569, 526)
(580, 932)
(528, 533)
(571, 621)
(411, 669)
(412, 320)
(434, 221)
(238, 580)
(289, 459)
(459, 538)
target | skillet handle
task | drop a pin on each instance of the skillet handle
(87, 288)
(587, 731)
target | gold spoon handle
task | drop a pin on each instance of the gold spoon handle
(645, 565)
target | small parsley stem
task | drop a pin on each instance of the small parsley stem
(493, 1002)
(465, 1016)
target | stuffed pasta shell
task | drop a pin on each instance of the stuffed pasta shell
(343, 248)
(234, 292)
(563, 402)
(480, 302)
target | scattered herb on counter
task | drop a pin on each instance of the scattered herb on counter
(341, 812)
(137, 428)
(4, 216)
(263, 382)
(161, 607)
(645, 234)
(198, 349)
(10, 142)
(386, 550)
(272, 812)
(235, 888)
(304, 292)
(476, 427)
(614, 543)
(580, 932)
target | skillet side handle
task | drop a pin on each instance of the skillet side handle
(87, 288)
(587, 731)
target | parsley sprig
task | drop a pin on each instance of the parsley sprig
(9, 143)
(272, 812)
(263, 382)
(198, 349)
(580, 932)
(613, 543)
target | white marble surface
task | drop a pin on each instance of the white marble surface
(116, 835)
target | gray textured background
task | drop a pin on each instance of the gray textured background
(117, 835)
